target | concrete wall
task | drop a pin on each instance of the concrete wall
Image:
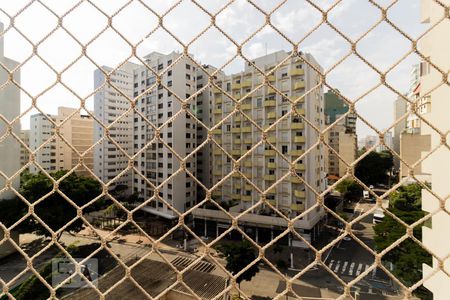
(411, 148)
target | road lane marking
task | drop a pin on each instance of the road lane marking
(374, 272)
(337, 266)
(344, 267)
(367, 266)
(350, 271)
(330, 265)
(358, 271)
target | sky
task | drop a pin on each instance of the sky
(383, 46)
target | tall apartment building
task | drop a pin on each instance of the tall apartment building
(292, 137)
(158, 162)
(341, 136)
(435, 237)
(9, 108)
(56, 155)
(110, 106)
(400, 109)
(388, 142)
(412, 142)
(24, 154)
(9, 146)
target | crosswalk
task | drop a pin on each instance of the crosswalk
(349, 268)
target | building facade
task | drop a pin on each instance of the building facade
(9, 146)
(341, 136)
(112, 108)
(266, 163)
(53, 153)
(159, 161)
(436, 102)
(400, 109)
(24, 154)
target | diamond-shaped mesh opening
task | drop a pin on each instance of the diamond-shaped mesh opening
(249, 152)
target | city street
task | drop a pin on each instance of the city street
(348, 258)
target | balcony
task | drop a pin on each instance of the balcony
(217, 173)
(294, 98)
(299, 139)
(248, 187)
(272, 202)
(248, 175)
(295, 180)
(269, 152)
(219, 100)
(246, 106)
(272, 191)
(246, 129)
(272, 165)
(272, 139)
(248, 164)
(246, 198)
(236, 86)
(237, 118)
(217, 152)
(217, 111)
(218, 140)
(217, 193)
(269, 103)
(271, 115)
(217, 131)
(237, 184)
(235, 152)
(236, 130)
(270, 177)
(216, 90)
(300, 194)
(300, 111)
(247, 84)
(300, 167)
(270, 91)
(297, 126)
(296, 152)
(299, 85)
(236, 196)
(248, 141)
(236, 141)
(236, 175)
(298, 207)
(271, 78)
(297, 72)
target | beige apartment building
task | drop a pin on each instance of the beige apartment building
(56, 154)
(264, 165)
(436, 237)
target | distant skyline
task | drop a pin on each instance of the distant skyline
(383, 46)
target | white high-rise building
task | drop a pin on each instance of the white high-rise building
(9, 146)
(110, 106)
(263, 166)
(9, 109)
(436, 102)
(158, 162)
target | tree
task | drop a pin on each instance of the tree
(350, 190)
(408, 256)
(55, 210)
(238, 256)
(375, 168)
